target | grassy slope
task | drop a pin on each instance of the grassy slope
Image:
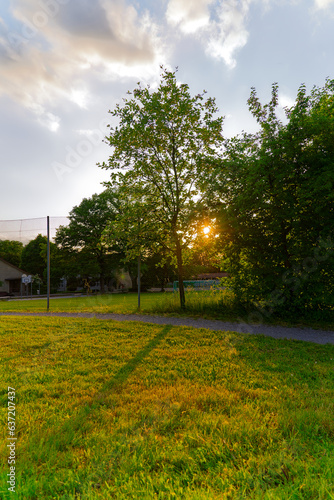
(133, 411)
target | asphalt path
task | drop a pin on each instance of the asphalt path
(277, 332)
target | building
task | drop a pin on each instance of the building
(10, 279)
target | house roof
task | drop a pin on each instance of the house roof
(12, 265)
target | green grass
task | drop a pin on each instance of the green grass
(203, 304)
(112, 303)
(109, 410)
(218, 304)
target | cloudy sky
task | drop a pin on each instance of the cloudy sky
(65, 63)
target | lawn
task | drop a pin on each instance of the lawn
(216, 304)
(108, 410)
(123, 303)
(109, 303)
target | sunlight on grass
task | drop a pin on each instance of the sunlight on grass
(157, 303)
(210, 304)
(127, 410)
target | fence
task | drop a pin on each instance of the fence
(24, 231)
(197, 284)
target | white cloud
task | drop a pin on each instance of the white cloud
(286, 101)
(229, 32)
(323, 4)
(44, 117)
(219, 24)
(189, 16)
(80, 97)
(52, 122)
(61, 43)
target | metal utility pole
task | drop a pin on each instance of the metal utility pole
(138, 281)
(48, 263)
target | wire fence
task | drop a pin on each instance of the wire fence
(42, 269)
(25, 230)
(18, 282)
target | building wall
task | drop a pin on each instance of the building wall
(8, 272)
(16, 287)
(4, 286)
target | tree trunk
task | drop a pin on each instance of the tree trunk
(102, 272)
(284, 232)
(180, 273)
(101, 283)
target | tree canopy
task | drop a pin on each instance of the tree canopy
(32, 259)
(276, 201)
(84, 235)
(162, 149)
(11, 251)
(267, 196)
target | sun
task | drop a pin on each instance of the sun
(206, 230)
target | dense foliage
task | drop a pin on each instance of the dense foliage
(33, 259)
(275, 204)
(266, 199)
(11, 250)
(82, 240)
(161, 152)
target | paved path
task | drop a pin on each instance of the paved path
(278, 332)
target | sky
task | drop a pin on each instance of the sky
(65, 63)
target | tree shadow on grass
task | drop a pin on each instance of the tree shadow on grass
(125, 371)
(116, 382)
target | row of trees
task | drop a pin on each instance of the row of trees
(275, 203)
(107, 233)
(268, 196)
(96, 244)
(270, 193)
(31, 256)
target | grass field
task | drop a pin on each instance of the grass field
(108, 410)
(117, 303)
(217, 304)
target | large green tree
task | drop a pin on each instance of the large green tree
(84, 240)
(32, 258)
(276, 202)
(34, 261)
(162, 149)
(11, 251)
